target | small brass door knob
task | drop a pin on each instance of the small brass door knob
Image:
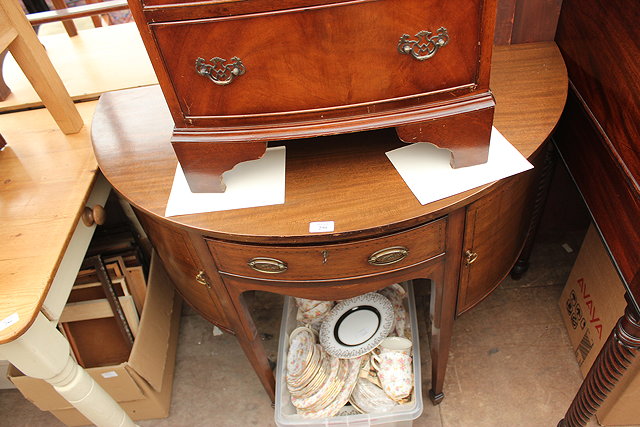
(470, 257)
(202, 278)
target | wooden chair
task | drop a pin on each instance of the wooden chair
(92, 8)
(17, 36)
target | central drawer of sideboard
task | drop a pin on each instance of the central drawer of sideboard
(330, 261)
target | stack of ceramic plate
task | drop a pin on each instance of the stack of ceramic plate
(334, 393)
(305, 364)
(311, 376)
(369, 398)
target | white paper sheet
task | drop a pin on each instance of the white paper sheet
(250, 184)
(426, 170)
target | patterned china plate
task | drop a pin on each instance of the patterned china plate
(356, 326)
(302, 341)
(309, 401)
(343, 396)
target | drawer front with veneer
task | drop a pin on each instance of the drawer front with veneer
(321, 262)
(330, 56)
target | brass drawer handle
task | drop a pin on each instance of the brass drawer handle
(219, 71)
(202, 278)
(268, 265)
(426, 44)
(388, 256)
(470, 257)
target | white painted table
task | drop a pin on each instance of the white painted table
(46, 180)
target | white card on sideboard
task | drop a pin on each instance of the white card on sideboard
(250, 184)
(426, 170)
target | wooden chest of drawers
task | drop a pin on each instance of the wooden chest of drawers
(237, 74)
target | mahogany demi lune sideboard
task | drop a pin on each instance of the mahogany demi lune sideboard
(239, 74)
(464, 244)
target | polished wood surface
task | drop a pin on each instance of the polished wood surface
(183, 265)
(607, 75)
(538, 91)
(607, 81)
(346, 179)
(505, 16)
(97, 60)
(535, 20)
(497, 225)
(46, 177)
(289, 71)
(259, 85)
(463, 134)
(205, 176)
(526, 21)
(598, 139)
(329, 261)
(610, 196)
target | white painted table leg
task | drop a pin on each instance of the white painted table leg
(42, 352)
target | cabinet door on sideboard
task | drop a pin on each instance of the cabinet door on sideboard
(182, 263)
(495, 232)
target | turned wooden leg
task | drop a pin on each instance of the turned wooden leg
(42, 352)
(617, 354)
(204, 163)
(444, 291)
(544, 182)
(466, 135)
(251, 344)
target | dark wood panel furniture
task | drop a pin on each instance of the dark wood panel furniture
(598, 138)
(244, 73)
(526, 21)
(464, 244)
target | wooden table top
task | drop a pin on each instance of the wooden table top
(45, 179)
(46, 176)
(95, 61)
(131, 141)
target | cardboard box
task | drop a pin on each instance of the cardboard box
(591, 304)
(4, 381)
(142, 385)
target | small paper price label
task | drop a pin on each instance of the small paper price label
(8, 321)
(109, 374)
(321, 226)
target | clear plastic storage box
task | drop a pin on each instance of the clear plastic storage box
(400, 416)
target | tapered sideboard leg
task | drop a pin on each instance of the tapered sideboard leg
(249, 340)
(617, 354)
(444, 291)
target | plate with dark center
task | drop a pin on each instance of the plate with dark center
(357, 325)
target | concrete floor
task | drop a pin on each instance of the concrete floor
(510, 362)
